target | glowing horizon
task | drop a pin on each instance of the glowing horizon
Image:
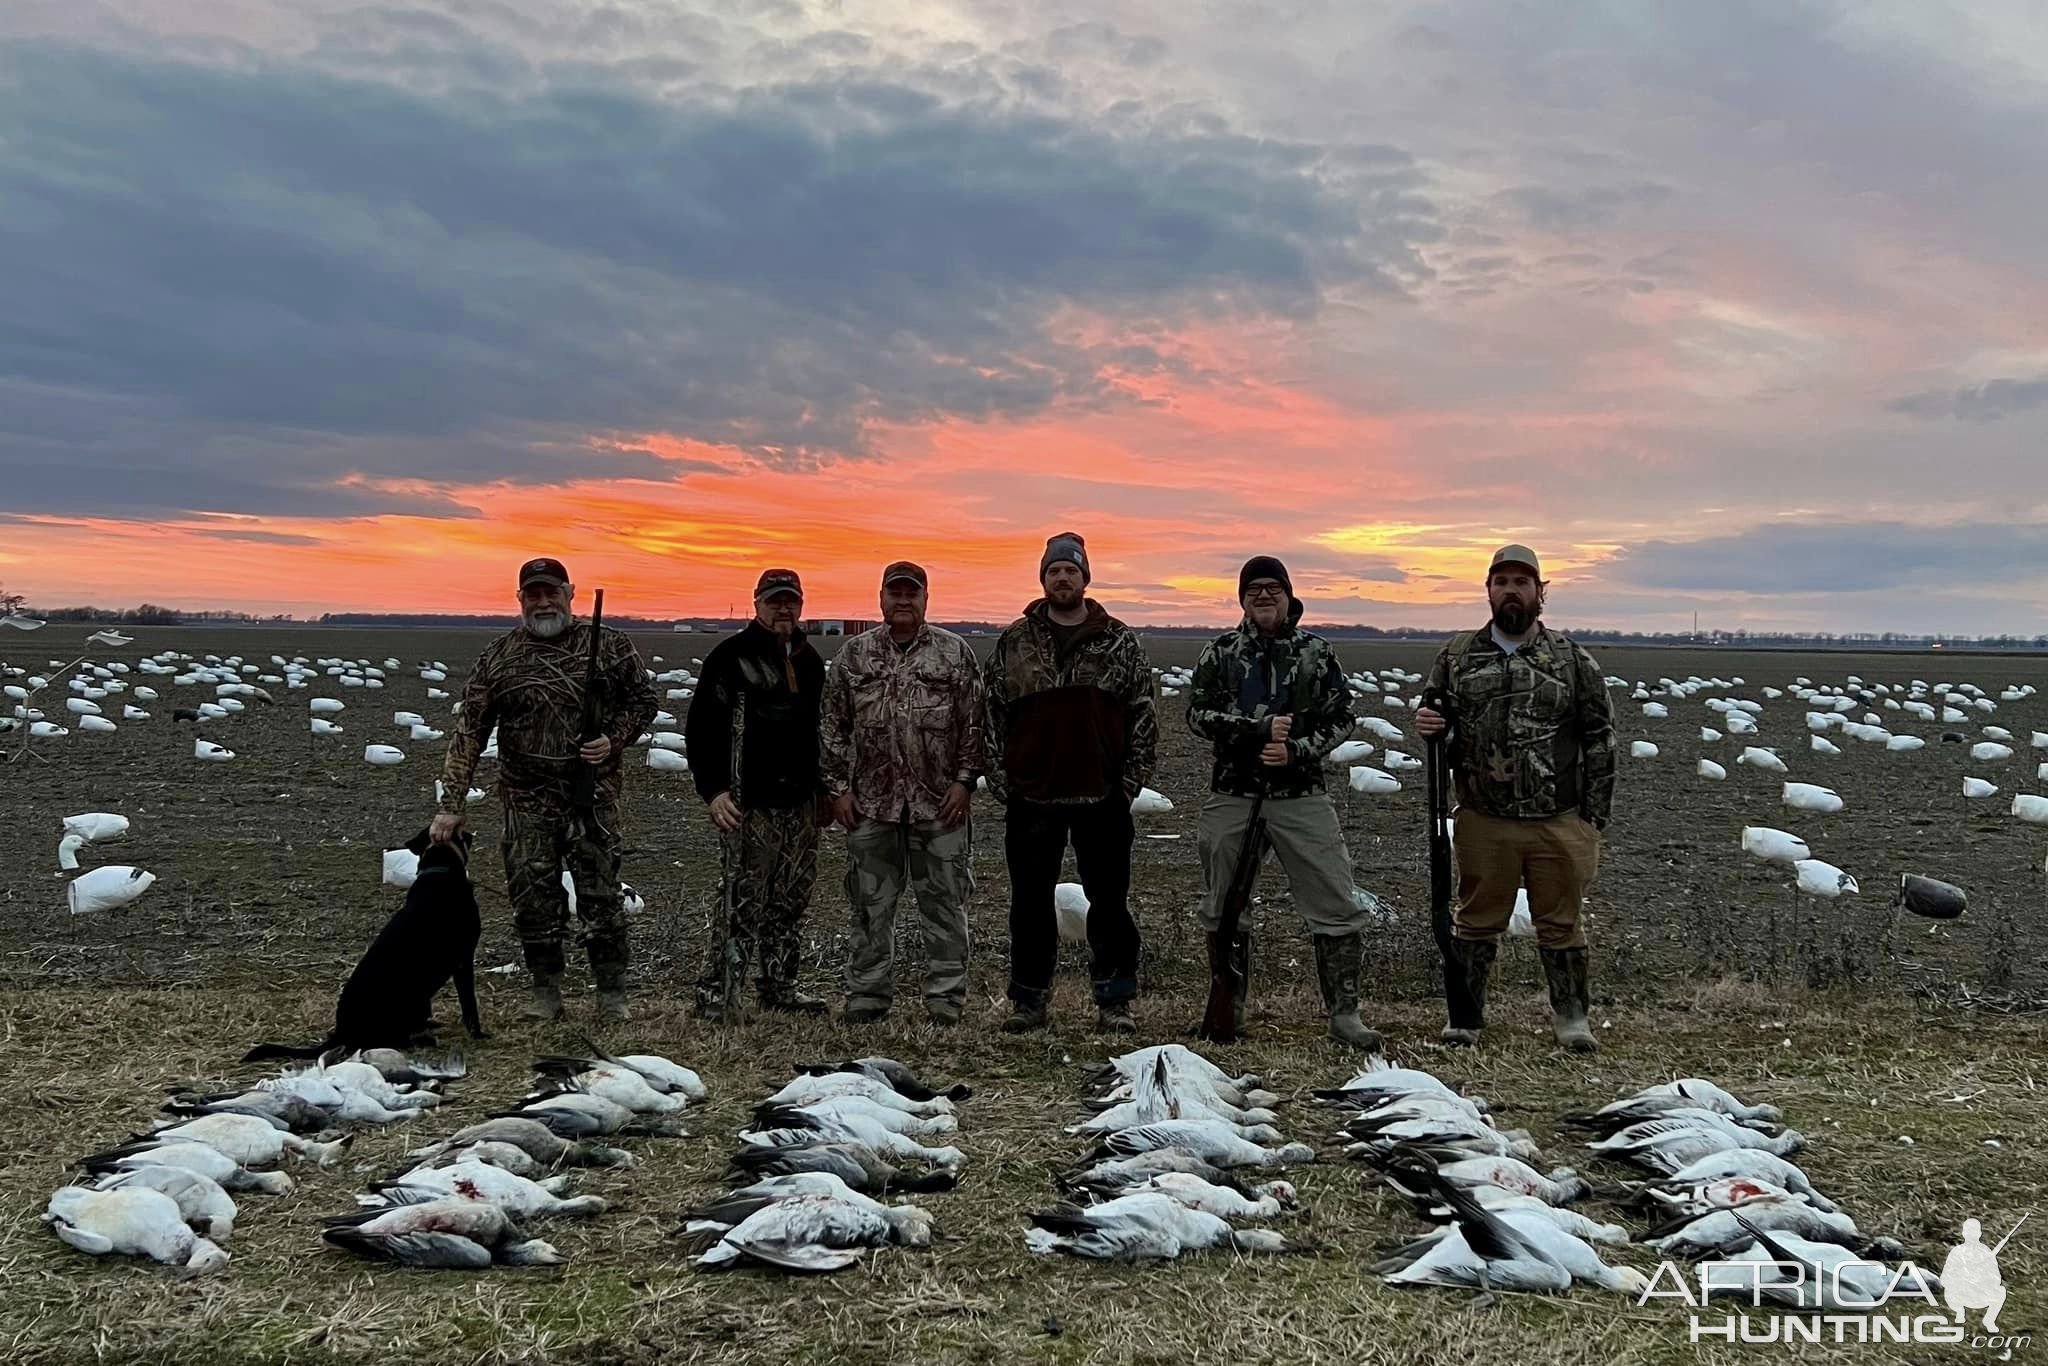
(334, 316)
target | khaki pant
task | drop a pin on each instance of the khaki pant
(1305, 834)
(880, 857)
(1555, 858)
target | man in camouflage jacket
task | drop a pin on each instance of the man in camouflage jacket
(1532, 749)
(528, 684)
(752, 735)
(902, 748)
(1272, 699)
(1072, 736)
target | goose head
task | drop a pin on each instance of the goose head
(67, 851)
(1790, 1141)
(532, 1252)
(1281, 1193)
(910, 1225)
(1293, 1152)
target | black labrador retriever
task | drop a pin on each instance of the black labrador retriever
(430, 940)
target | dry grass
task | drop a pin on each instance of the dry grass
(87, 1067)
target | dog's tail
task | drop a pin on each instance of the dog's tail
(263, 1052)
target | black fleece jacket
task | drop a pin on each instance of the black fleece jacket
(753, 723)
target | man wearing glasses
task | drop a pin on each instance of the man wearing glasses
(1271, 698)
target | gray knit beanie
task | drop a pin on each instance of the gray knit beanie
(1068, 546)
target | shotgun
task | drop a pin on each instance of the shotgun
(1457, 993)
(582, 775)
(1219, 1017)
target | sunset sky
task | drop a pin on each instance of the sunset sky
(1736, 307)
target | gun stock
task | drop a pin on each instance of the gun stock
(582, 775)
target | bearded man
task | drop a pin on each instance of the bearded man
(1531, 732)
(528, 685)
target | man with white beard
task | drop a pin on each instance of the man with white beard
(528, 684)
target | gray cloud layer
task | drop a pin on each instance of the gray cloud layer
(253, 276)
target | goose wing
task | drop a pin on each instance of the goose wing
(444, 1251)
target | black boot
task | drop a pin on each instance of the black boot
(1339, 959)
(1467, 965)
(1229, 968)
(1565, 972)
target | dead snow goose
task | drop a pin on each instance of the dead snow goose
(135, 1222)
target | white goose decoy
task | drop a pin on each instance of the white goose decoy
(1348, 753)
(1707, 768)
(401, 868)
(1070, 910)
(477, 1180)
(102, 889)
(1974, 788)
(1708, 735)
(136, 1222)
(1773, 845)
(383, 755)
(1812, 797)
(1142, 1227)
(667, 761)
(67, 853)
(2029, 808)
(1642, 749)
(209, 751)
(1990, 752)
(459, 1235)
(1816, 877)
(223, 1170)
(1150, 803)
(1372, 781)
(1208, 1139)
(1764, 759)
(202, 1202)
(96, 826)
(816, 1233)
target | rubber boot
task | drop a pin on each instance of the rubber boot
(545, 1001)
(1339, 958)
(611, 1005)
(785, 999)
(1565, 971)
(1466, 967)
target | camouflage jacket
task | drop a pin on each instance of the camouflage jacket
(1533, 731)
(1069, 725)
(1243, 681)
(902, 726)
(531, 690)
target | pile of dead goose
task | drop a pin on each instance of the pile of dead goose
(1727, 1198)
(1171, 1129)
(821, 1149)
(164, 1193)
(462, 1203)
(1503, 1223)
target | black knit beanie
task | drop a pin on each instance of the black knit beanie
(1263, 567)
(1068, 546)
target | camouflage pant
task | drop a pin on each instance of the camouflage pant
(880, 855)
(769, 866)
(540, 842)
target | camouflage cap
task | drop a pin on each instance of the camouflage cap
(546, 569)
(1516, 554)
(905, 570)
(773, 581)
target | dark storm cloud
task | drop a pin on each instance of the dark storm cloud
(1986, 402)
(1792, 558)
(272, 276)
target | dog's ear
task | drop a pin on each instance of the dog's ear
(418, 843)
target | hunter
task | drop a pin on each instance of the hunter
(1531, 731)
